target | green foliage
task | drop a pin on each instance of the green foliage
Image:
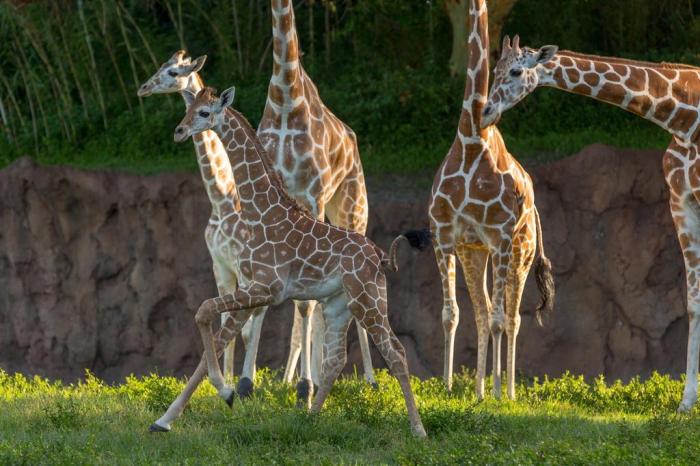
(562, 420)
(69, 76)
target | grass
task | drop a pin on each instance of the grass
(558, 421)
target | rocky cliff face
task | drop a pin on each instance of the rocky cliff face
(104, 270)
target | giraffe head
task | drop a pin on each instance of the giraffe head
(517, 74)
(204, 111)
(173, 75)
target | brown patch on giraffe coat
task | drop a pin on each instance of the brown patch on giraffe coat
(614, 93)
(658, 87)
(637, 80)
(601, 68)
(581, 89)
(573, 75)
(592, 79)
(566, 62)
(612, 77)
(275, 94)
(664, 109)
(640, 104)
(683, 119)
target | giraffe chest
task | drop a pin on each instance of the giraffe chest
(226, 239)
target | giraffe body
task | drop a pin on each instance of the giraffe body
(665, 94)
(317, 158)
(289, 254)
(177, 75)
(482, 208)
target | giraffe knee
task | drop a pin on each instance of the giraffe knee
(450, 317)
(205, 313)
(497, 323)
(513, 325)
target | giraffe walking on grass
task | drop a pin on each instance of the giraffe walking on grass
(289, 254)
(178, 75)
(317, 157)
(663, 93)
(482, 208)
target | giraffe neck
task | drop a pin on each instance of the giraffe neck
(476, 88)
(667, 95)
(214, 164)
(259, 186)
(286, 85)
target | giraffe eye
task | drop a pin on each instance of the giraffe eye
(517, 72)
(172, 73)
(204, 114)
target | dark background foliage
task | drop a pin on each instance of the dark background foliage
(69, 70)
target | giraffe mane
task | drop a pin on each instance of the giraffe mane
(275, 178)
(627, 61)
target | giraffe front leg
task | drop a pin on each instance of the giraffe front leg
(242, 299)
(251, 336)
(224, 282)
(514, 293)
(226, 334)
(685, 210)
(499, 263)
(294, 347)
(474, 262)
(450, 310)
(305, 384)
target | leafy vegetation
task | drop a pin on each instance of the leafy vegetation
(70, 69)
(556, 421)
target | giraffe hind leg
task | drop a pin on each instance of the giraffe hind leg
(370, 308)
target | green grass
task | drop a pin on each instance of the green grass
(559, 421)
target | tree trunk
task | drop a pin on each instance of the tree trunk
(458, 12)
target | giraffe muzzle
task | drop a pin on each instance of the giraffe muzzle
(144, 91)
(180, 134)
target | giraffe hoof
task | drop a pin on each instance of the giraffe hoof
(375, 385)
(304, 392)
(229, 400)
(244, 388)
(156, 428)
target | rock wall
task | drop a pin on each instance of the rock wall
(103, 270)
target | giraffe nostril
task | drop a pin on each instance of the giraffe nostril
(179, 130)
(487, 111)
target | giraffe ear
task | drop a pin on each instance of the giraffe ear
(226, 98)
(546, 53)
(197, 64)
(189, 96)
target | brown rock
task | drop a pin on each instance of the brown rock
(104, 270)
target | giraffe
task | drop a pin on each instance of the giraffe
(181, 74)
(482, 207)
(317, 157)
(287, 253)
(663, 93)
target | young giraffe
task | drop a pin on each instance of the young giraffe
(181, 74)
(483, 205)
(663, 93)
(316, 156)
(288, 253)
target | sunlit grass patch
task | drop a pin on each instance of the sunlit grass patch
(560, 420)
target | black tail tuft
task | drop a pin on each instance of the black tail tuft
(545, 284)
(418, 239)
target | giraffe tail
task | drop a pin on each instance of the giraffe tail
(417, 239)
(543, 276)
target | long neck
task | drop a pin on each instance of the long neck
(665, 94)
(286, 83)
(214, 164)
(258, 184)
(476, 88)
